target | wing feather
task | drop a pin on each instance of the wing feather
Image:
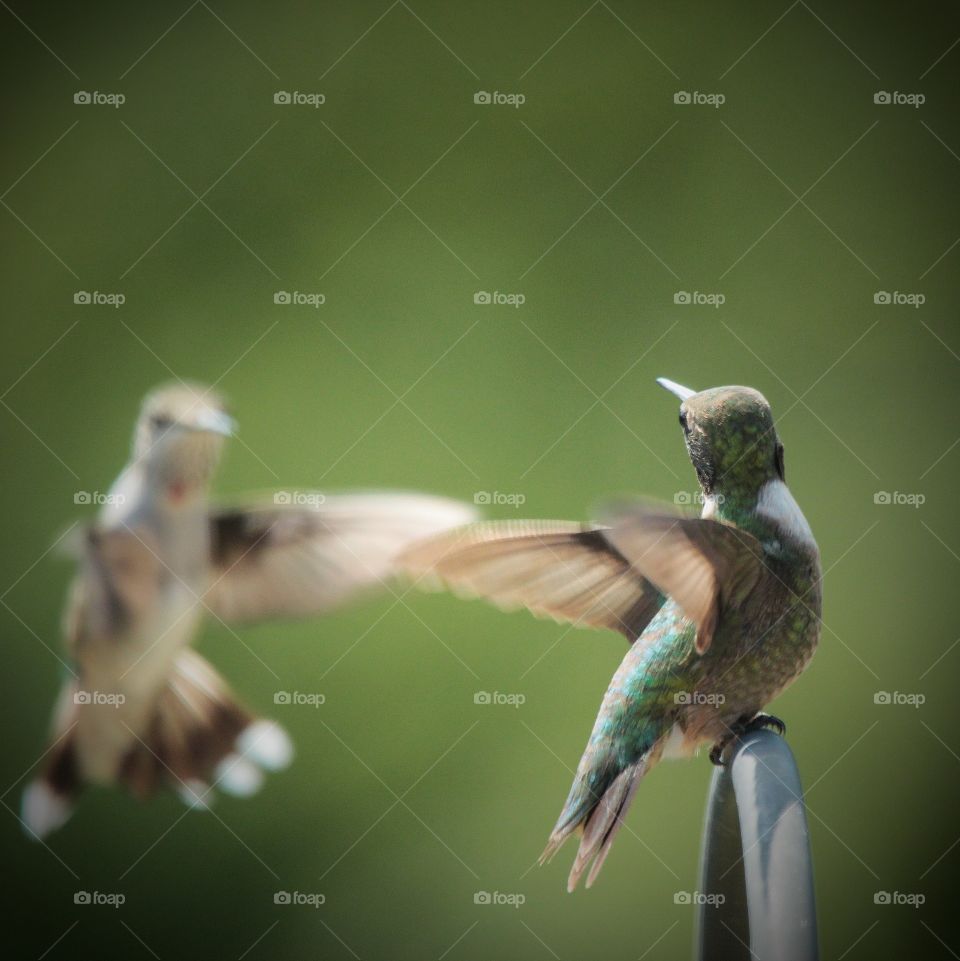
(295, 561)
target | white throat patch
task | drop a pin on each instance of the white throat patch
(776, 504)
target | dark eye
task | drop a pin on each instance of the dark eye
(162, 423)
(683, 422)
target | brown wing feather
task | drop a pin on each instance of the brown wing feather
(700, 563)
(555, 569)
(292, 561)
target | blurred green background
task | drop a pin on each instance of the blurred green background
(598, 199)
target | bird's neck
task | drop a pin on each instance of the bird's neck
(770, 512)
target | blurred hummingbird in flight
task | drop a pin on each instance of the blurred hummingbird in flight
(722, 610)
(142, 708)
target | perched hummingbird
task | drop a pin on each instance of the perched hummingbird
(143, 709)
(723, 611)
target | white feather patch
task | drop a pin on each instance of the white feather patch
(267, 744)
(43, 811)
(776, 504)
(238, 776)
(676, 746)
(195, 794)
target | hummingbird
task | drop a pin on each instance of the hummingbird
(722, 611)
(142, 709)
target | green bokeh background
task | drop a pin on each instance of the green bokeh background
(400, 380)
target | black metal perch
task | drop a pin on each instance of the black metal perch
(756, 874)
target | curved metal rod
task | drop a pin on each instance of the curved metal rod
(756, 898)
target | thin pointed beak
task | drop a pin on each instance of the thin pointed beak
(682, 392)
(217, 422)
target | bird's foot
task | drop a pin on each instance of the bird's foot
(762, 721)
(758, 722)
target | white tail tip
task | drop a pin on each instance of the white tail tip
(42, 810)
(267, 744)
(237, 776)
(196, 794)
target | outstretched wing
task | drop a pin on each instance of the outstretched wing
(558, 569)
(702, 564)
(293, 561)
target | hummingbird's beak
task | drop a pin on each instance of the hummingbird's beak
(216, 421)
(682, 392)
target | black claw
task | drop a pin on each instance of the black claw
(756, 723)
(762, 721)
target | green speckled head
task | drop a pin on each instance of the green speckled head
(731, 440)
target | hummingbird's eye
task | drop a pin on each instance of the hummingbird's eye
(161, 423)
(683, 422)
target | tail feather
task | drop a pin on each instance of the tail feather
(200, 738)
(48, 801)
(598, 820)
